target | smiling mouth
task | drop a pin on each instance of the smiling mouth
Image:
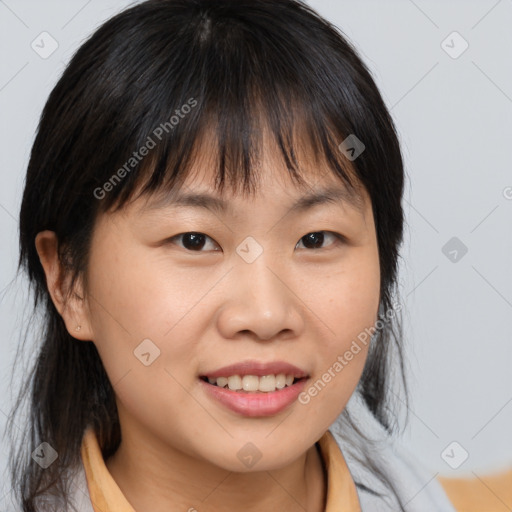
(254, 383)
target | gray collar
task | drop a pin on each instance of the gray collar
(416, 487)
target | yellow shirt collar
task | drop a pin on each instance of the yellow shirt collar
(107, 497)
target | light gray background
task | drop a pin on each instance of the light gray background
(454, 116)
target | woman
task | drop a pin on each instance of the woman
(211, 222)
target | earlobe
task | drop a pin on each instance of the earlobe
(71, 306)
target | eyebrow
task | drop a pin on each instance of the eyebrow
(328, 195)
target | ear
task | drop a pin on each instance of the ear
(73, 306)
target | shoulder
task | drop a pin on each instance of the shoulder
(77, 493)
(72, 483)
(79, 490)
(491, 492)
(388, 478)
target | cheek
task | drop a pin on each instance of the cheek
(347, 305)
(137, 308)
(138, 296)
(354, 314)
(346, 299)
(147, 310)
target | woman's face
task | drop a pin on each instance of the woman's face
(259, 282)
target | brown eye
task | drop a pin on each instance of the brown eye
(193, 241)
(316, 239)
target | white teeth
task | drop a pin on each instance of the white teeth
(280, 380)
(250, 383)
(253, 383)
(222, 381)
(267, 383)
(234, 382)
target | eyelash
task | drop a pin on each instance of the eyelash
(339, 239)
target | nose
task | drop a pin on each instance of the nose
(261, 303)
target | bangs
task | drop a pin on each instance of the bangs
(232, 141)
(224, 85)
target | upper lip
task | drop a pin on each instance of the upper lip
(258, 369)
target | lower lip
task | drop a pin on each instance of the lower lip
(255, 404)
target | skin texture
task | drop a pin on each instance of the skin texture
(208, 308)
